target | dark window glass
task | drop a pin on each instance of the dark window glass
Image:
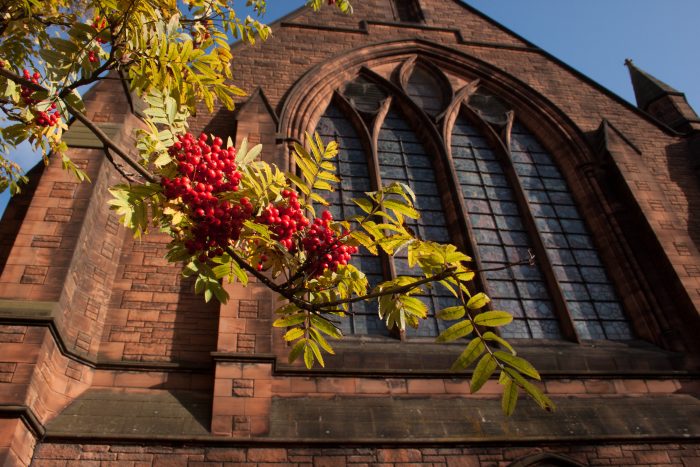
(403, 158)
(590, 297)
(408, 11)
(364, 95)
(425, 91)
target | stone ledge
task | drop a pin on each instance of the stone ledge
(183, 416)
(144, 413)
(553, 359)
(481, 420)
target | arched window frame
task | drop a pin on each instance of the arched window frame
(561, 137)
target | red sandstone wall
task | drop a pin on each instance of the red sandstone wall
(153, 312)
(120, 301)
(54, 455)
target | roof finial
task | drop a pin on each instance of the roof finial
(629, 62)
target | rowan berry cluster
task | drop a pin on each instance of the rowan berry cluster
(204, 171)
(323, 245)
(43, 118)
(99, 24)
(27, 92)
(285, 218)
(46, 118)
(93, 57)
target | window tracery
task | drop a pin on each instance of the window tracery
(512, 198)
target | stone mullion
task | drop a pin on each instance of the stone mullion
(390, 268)
(464, 223)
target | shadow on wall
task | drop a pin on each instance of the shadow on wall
(195, 330)
(14, 214)
(222, 124)
(686, 175)
(154, 312)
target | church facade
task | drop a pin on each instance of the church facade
(107, 356)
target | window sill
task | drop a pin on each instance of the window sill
(356, 356)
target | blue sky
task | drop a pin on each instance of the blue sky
(593, 36)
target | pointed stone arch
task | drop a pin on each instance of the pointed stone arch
(546, 459)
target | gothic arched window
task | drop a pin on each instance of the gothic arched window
(498, 203)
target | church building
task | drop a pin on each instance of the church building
(107, 357)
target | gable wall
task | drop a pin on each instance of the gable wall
(153, 335)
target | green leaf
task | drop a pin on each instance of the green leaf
(401, 208)
(490, 336)
(365, 204)
(409, 191)
(326, 326)
(296, 350)
(74, 99)
(251, 155)
(308, 356)
(493, 319)
(221, 270)
(483, 371)
(461, 329)
(414, 306)
(219, 292)
(293, 334)
(291, 320)
(478, 301)
(533, 391)
(451, 313)
(364, 240)
(242, 150)
(510, 397)
(318, 338)
(316, 351)
(520, 364)
(475, 348)
(322, 185)
(239, 273)
(319, 199)
(299, 183)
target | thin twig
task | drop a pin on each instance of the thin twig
(129, 176)
(303, 304)
(390, 291)
(106, 140)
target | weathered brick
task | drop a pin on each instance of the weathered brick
(267, 455)
(398, 455)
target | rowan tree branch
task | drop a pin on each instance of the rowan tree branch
(101, 135)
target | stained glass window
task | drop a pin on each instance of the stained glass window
(425, 91)
(504, 226)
